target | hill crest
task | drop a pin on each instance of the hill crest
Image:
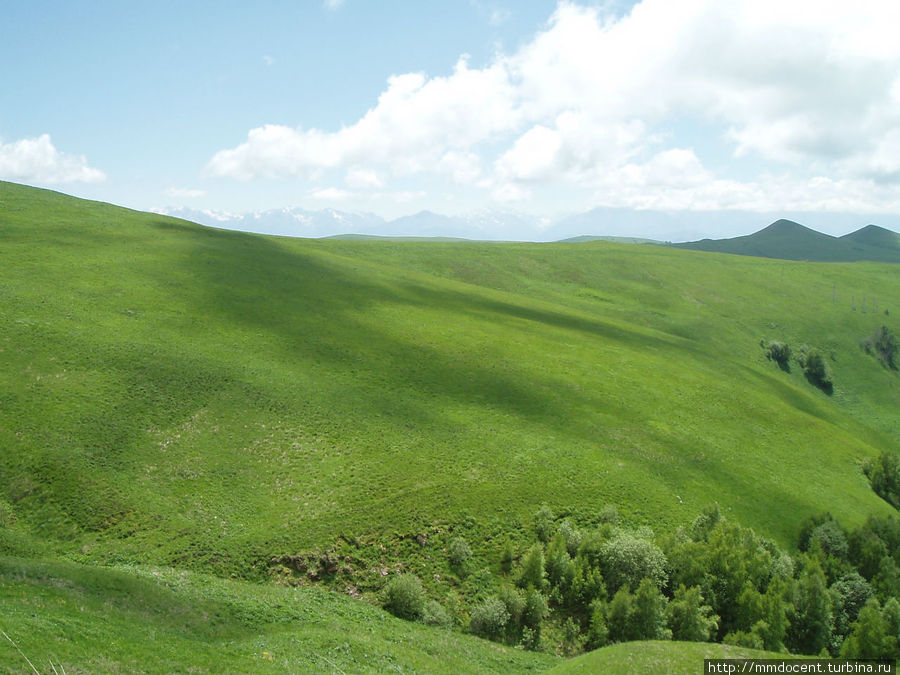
(789, 240)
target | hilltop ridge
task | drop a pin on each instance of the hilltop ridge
(789, 240)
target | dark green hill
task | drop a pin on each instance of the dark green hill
(787, 240)
(874, 237)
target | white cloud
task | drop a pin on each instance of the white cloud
(810, 88)
(268, 60)
(37, 160)
(184, 192)
(416, 121)
(332, 4)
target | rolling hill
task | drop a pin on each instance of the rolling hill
(787, 240)
(177, 397)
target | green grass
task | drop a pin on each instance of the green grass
(185, 397)
(178, 395)
(155, 620)
(657, 657)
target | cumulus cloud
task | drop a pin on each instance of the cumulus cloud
(37, 160)
(810, 88)
(415, 122)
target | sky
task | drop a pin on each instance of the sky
(458, 106)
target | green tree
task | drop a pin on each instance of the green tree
(618, 616)
(535, 610)
(598, 633)
(627, 558)
(891, 614)
(560, 568)
(533, 573)
(648, 615)
(868, 638)
(587, 585)
(811, 626)
(688, 618)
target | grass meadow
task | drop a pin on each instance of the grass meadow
(179, 397)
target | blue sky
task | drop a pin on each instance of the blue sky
(457, 106)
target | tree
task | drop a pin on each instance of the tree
(811, 628)
(560, 568)
(535, 611)
(868, 639)
(627, 558)
(648, 615)
(850, 594)
(533, 574)
(618, 615)
(688, 618)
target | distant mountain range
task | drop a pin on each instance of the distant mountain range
(788, 240)
(782, 239)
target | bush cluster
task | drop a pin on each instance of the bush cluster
(713, 580)
(884, 346)
(780, 353)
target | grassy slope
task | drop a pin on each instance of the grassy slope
(184, 396)
(656, 657)
(153, 620)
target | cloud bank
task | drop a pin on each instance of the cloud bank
(807, 93)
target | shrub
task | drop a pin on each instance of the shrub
(514, 602)
(884, 477)
(435, 615)
(535, 610)
(405, 597)
(489, 618)
(884, 346)
(459, 556)
(543, 523)
(780, 353)
(507, 556)
(817, 370)
(571, 535)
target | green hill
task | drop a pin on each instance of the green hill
(155, 620)
(787, 240)
(874, 236)
(253, 407)
(656, 657)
